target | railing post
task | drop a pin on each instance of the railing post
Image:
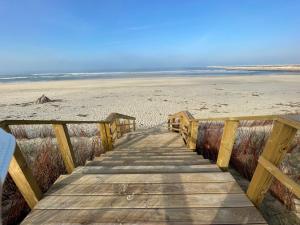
(65, 146)
(193, 134)
(274, 151)
(227, 142)
(127, 126)
(23, 177)
(134, 125)
(119, 132)
(105, 135)
(180, 125)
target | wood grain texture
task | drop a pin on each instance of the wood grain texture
(23, 177)
(274, 151)
(227, 142)
(177, 187)
(132, 201)
(65, 146)
(280, 176)
(77, 178)
(205, 216)
(147, 169)
(149, 179)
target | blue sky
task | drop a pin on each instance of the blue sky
(71, 36)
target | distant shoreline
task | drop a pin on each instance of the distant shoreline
(283, 68)
(212, 71)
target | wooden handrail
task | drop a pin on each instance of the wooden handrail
(283, 132)
(113, 116)
(110, 130)
(185, 123)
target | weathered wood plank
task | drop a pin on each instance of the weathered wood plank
(151, 162)
(65, 146)
(227, 142)
(151, 150)
(139, 153)
(132, 201)
(119, 133)
(147, 169)
(194, 134)
(178, 157)
(148, 188)
(151, 178)
(201, 216)
(23, 177)
(274, 151)
(279, 175)
(108, 136)
(105, 135)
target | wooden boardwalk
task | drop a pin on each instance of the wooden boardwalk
(149, 178)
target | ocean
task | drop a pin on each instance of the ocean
(203, 71)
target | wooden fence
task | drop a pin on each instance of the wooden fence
(283, 132)
(113, 127)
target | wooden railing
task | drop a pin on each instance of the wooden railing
(113, 127)
(283, 132)
(184, 123)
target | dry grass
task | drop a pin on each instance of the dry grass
(41, 152)
(250, 141)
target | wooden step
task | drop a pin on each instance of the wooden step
(165, 157)
(148, 179)
(162, 150)
(77, 178)
(146, 162)
(132, 201)
(130, 153)
(145, 188)
(147, 169)
(199, 216)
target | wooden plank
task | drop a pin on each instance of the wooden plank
(227, 142)
(65, 146)
(138, 153)
(280, 176)
(274, 151)
(151, 178)
(194, 135)
(147, 169)
(147, 162)
(132, 201)
(127, 125)
(23, 177)
(37, 122)
(289, 121)
(262, 117)
(105, 135)
(150, 149)
(119, 132)
(199, 216)
(182, 157)
(109, 137)
(133, 125)
(113, 116)
(148, 188)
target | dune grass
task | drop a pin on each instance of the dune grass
(39, 146)
(251, 138)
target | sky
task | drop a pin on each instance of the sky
(89, 36)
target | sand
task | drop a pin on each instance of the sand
(151, 100)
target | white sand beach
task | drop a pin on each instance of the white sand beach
(150, 100)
